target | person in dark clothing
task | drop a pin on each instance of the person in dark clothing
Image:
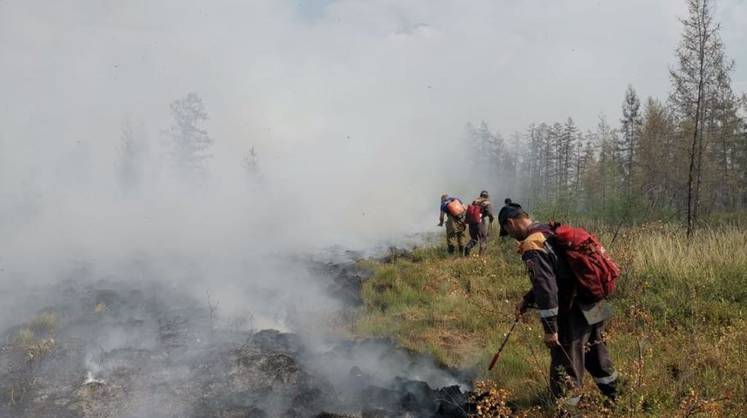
(576, 343)
(479, 232)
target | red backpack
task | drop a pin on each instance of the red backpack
(595, 272)
(474, 214)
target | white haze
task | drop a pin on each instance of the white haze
(356, 109)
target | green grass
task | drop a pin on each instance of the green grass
(677, 337)
(45, 322)
(36, 339)
(24, 337)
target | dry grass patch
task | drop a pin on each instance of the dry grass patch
(677, 337)
(45, 322)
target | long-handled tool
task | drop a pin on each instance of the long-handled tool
(503, 344)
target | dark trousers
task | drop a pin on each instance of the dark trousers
(478, 233)
(581, 348)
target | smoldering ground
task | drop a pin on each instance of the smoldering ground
(147, 268)
(159, 296)
(160, 281)
(135, 345)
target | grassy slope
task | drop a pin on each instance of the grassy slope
(678, 336)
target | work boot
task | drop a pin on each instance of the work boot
(612, 390)
(468, 248)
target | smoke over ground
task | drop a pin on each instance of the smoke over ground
(90, 187)
(135, 345)
(153, 273)
(342, 158)
(160, 280)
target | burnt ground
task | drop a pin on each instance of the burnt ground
(124, 350)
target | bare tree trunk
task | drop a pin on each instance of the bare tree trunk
(726, 197)
(698, 176)
(691, 171)
(692, 195)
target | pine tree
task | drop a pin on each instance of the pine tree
(189, 141)
(702, 73)
(629, 137)
(658, 157)
(608, 159)
(567, 149)
(554, 161)
(534, 164)
(132, 152)
(251, 163)
(488, 153)
(586, 178)
(723, 130)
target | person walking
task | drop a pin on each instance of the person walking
(573, 330)
(453, 211)
(480, 221)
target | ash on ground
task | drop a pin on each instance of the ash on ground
(123, 350)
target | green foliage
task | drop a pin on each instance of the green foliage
(677, 337)
(24, 337)
(34, 348)
(45, 322)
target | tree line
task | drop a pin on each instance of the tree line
(684, 156)
(187, 143)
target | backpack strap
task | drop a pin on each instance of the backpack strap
(549, 241)
(535, 241)
(548, 230)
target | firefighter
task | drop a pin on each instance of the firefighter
(480, 224)
(573, 331)
(453, 210)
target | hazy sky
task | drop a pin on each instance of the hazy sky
(507, 62)
(353, 105)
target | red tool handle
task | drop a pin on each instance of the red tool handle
(503, 344)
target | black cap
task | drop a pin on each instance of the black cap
(510, 211)
(484, 194)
